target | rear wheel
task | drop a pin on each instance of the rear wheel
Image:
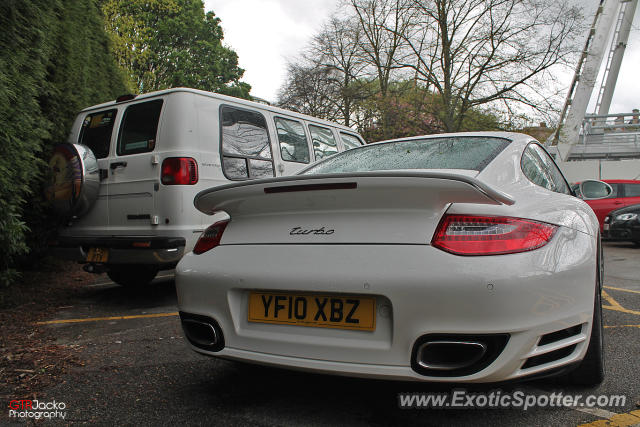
(590, 372)
(132, 275)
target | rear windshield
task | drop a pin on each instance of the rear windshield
(96, 132)
(139, 128)
(468, 152)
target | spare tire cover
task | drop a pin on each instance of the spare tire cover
(74, 180)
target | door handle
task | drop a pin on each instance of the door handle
(116, 164)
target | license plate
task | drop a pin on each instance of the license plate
(98, 255)
(321, 311)
(605, 227)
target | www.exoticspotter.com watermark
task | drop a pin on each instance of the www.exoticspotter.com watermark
(464, 399)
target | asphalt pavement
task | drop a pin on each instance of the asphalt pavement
(139, 371)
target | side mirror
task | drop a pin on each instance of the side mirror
(594, 190)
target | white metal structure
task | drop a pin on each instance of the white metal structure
(128, 175)
(455, 257)
(612, 15)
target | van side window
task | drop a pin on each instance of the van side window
(246, 151)
(96, 132)
(324, 144)
(350, 141)
(293, 141)
(139, 128)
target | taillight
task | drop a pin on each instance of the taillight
(179, 171)
(489, 235)
(210, 238)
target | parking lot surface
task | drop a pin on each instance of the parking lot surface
(140, 371)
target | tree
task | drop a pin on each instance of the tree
(54, 61)
(478, 52)
(163, 44)
(384, 25)
(338, 48)
(312, 90)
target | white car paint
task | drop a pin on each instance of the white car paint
(381, 247)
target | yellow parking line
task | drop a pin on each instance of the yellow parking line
(98, 319)
(618, 420)
(615, 305)
(623, 289)
(622, 326)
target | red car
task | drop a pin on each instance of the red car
(626, 192)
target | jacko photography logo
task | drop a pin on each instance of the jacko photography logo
(37, 409)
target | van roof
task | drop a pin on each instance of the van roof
(223, 98)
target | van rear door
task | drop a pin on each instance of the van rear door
(96, 132)
(133, 170)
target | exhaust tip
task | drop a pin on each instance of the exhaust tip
(450, 355)
(202, 331)
(455, 355)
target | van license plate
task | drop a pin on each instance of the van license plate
(321, 311)
(98, 255)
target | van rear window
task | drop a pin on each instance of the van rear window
(139, 128)
(96, 132)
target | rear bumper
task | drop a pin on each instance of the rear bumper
(622, 231)
(419, 290)
(155, 250)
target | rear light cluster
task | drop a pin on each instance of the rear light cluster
(489, 235)
(210, 238)
(179, 171)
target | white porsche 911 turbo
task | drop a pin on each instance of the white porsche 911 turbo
(457, 257)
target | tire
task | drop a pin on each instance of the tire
(132, 275)
(590, 372)
(73, 180)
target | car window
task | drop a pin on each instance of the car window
(534, 170)
(246, 150)
(631, 190)
(616, 191)
(139, 128)
(472, 153)
(350, 141)
(293, 140)
(324, 144)
(559, 184)
(96, 132)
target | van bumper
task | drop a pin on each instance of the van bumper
(162, 251)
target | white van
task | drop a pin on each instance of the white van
(126, 179)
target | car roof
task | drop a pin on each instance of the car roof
(221, 97)
(625, 209)
(621, 181)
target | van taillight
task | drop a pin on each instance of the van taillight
(490, 235)
(210, 238)
(179, 171)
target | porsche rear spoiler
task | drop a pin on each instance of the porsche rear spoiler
(361, 191)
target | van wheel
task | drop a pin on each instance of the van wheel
(132, 275)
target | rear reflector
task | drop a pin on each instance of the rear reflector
(210, 238)
(489, 235)
(179, 171)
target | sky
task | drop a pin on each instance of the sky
(265, 33)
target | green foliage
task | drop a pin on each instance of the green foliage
(171, 43)
(54, 61)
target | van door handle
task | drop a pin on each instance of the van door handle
(116, 164)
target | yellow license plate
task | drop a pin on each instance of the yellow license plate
(321, 311)
(98, 255)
